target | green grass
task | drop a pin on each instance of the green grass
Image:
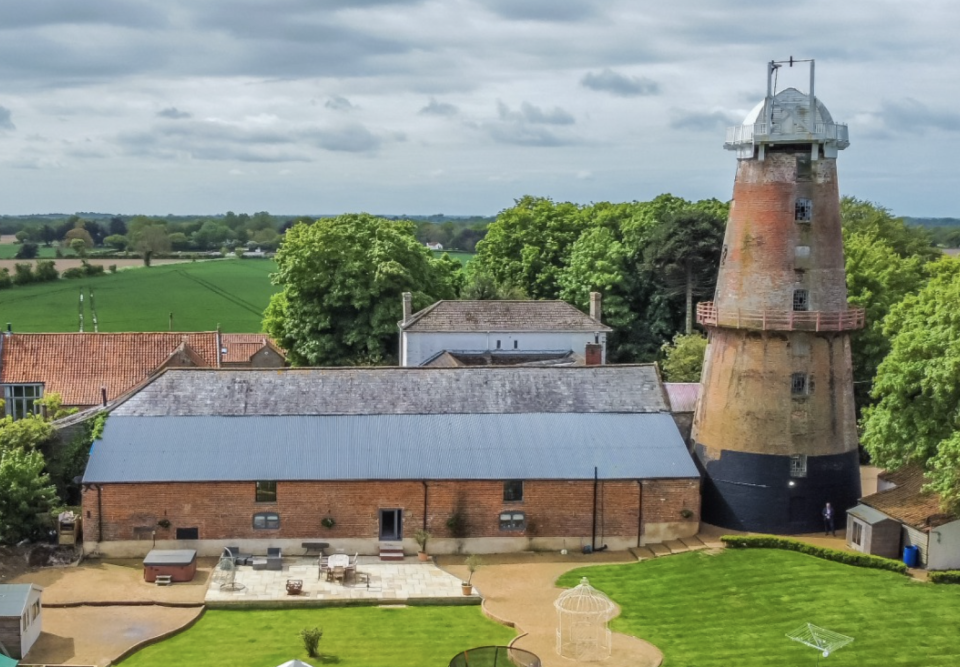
(352, 637)
(462, 257)
(734, 608)
(9, 251)
(201, 295)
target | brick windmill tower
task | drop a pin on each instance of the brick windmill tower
(775, 430)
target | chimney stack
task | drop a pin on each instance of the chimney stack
(407, 306)
(595, 311)
(593, 354)
(103, 395)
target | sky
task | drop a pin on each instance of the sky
(453, 106)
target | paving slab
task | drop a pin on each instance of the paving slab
(659, 549)
(643, 553)
(693, 542)
(676, 546)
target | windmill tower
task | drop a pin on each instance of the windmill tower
(775, 429)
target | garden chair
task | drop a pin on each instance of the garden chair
(339, 573)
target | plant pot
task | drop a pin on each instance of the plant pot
(467, 589)
(423, 556)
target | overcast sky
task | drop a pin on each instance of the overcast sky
(453, 106)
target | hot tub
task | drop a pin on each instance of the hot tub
(179, 564)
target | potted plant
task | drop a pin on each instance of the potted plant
(328, 522)
(421, 536)
(473, 562)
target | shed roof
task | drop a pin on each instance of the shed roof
(909, 503)
(77, 365)
(682, 395)
(14, 598)
(389, 447)
(470, 316)
(869, 515)
(367, 391)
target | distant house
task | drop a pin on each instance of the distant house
(494, 332)
(902, 514)
(21, 618)
(250, 351)
(434, 246)
(485, 459)
(89, 369)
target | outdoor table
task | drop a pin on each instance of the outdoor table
(338, 560)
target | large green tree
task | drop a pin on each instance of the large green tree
(683, 357)
(342, 281)
(862, 217)
(26, 494)
(916, 418)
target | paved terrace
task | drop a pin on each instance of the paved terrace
(407, 582)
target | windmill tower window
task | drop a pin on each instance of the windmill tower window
(801, 299)
(803, 210)
(801, 384)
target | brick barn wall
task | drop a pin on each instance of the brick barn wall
(224, 510)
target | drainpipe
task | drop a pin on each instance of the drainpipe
(639, 512)
(99, 513)
(424, 482)
(593, 532)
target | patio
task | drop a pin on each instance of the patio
(377, 582)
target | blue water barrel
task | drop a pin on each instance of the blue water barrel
(911, 555)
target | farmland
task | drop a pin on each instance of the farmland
(232, 293)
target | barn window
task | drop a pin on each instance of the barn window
(513, 490)
(266, 492)
(798, 465)
(803, 210)
(20, 399)
(516, 344)
(266, 521)
(512, 521)
(188, 533)
(498, 345)
(801, 299)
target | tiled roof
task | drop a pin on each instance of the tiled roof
(379, 390)
(908, 503)
(898, 477)
(456, 358)
(240, 347)
(502, 316)
(77, 365)
(682, 395)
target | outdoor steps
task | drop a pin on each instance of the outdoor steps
(391, 551)
(670, 547)
(164, 580)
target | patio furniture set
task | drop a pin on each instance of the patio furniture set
(272, 561)
(338, 568)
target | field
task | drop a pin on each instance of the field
(462, 257)
(232, 293)
(734, 608)
(8, 250)
(352, 637)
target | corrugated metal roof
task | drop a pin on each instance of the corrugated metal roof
(682, 395)
(389, 447)
(13, 598)
(356, 391)
(868, 514)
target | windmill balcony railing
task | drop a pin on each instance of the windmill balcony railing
(748, 134)
(781, 320)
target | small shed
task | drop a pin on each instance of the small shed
(21, 618)
(178, 564)
(872, 532)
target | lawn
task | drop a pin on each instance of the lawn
(9, 251)
(462, 257)
(232, 293)
(734, 608)
(352, 637)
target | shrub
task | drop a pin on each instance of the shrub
(92, 269)
(311, 640)
(22, 274)
(5, 279)
(113, 268)
(945, 577)
(27, 251)
(75, 272)
(847, 557)
(46, 271)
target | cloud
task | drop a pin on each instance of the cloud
(339, 103)
(608, 81)
(909, 115)
(173, 113)
(435, 108)
(354, 138)
(543, 10)
(703, 120)
(529, 113)
(525, 127)
(6, 120)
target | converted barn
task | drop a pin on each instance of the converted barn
(485, 459)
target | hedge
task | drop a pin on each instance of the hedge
(847, 557)
(945, 577)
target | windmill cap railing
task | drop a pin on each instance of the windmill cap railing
(781, 320)
(745, 135)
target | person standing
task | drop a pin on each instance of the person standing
(828, 524)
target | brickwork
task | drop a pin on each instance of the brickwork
(224, 510)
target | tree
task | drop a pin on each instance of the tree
(683, 357)
(48, 235)
(117, 241)
(341, 283)
(27, 251)
(26, 494)
(79, 247)
(179, 241)
(117, 227)
(212, 234)
(81, 234)
(151, 240)
(916, 417)
(684, 252)
(858, 216)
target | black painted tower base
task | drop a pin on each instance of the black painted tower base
(756, 492)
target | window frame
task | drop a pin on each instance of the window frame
(801, 300)
(856, 536)
(270, 521)
(800, 384)
(20, 406)
(271, 497)
(509, 491)
(803, 210)
(513, 521)
(798, 465)
(178, 533)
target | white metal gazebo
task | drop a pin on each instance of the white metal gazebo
(582, 616)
